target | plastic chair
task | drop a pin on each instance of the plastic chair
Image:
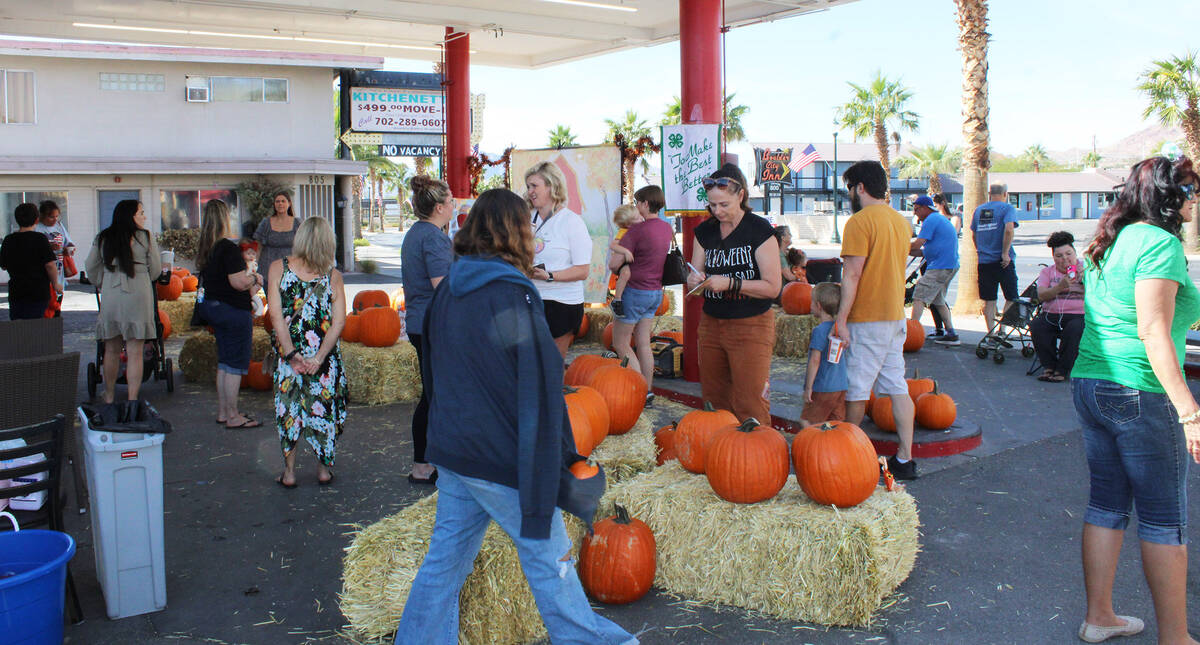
(30, 338)
(45, 439)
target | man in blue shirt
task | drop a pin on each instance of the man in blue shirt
(992, 228)
(938, 244)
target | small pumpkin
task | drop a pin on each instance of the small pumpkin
(352, 329)
(585, 324)
(835, 464)
(582, 368)
(171, 290)
(664, 306)
(166, 323)
(918, 386)
(624, 390)
(583, 469)
(746, 463)
(396, 299)
(618, 560)
(664, 443)
(594, 407)
(695, 430)
(190, 283)
(380, 326)
(881, 413)
(258, 378)
(797, 298)
(371, 298)
(581, 429)
(914, 335)
(676, 336)
(936, 410)
(606, 337)
(181, 272)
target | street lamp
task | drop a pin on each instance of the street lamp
(837, 238)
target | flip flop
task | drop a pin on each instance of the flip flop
(432, 479)
(325, 482)
(1057, 378)
(1046, 376)
(279, 480)
(251, 422)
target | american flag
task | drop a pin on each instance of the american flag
(806, 157)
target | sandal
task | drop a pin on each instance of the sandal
(279, 480)
(1057, 378)
(325, 482)
(250, 422)
(1046, 376)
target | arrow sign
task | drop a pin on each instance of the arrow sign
(361, 138)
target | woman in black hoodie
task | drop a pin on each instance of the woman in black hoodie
(499, 434)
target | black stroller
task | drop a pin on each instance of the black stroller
(154, 358)
(1012, 327)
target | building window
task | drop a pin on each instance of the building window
(17, 104)
(10, 200)
(247, 89)
(181, 208)
(1046, 200)
(275, 90)
(1014, 200)
(119, 82)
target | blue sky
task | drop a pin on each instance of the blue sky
(1061, 71)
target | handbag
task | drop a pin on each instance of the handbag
(69, 269)
(673, 267)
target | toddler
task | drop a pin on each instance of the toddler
(826, 380)
(796, 259)
(624, 216)
(250, 255)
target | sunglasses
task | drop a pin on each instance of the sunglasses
(723, 183)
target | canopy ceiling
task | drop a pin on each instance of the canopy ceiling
(509, 33)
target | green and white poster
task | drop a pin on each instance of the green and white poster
(689, 154)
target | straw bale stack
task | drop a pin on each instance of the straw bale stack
(786, 557)
(179, 312)
(379, 375)
(198, 357)
(792, 334)
(598, 319)
(626, 455)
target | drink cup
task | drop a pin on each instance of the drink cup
(168, 259)
(836, 345)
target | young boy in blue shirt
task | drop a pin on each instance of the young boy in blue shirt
(825, 382)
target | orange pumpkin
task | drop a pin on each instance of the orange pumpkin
(181, 272)
(664, 306)
(190, 283)
(918, 386)
(835, 464)
(936, 410)
(881, 413)
(585, 441)
(664, 442)
(747, 463)
(352, 330)
(166, 323)
(870, 403)
(624, 390)
(371, 298)
(258, 378)
(582, 469)
(584, 325)
(380, 326)
(797, 298)
(582, 368)
(606, 337)
(617, 561)
(914, 335)
(695, 430)
(396, 299)
(171, 290)
(676, 336)
(594, 408)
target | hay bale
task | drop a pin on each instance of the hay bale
(382, 560)
(668, 323)
(179, 312)
(198, 357)
(379, 375)
(786, 557)
(792, 334)
(598, 319)
(626, 455)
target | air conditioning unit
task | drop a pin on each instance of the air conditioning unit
(197, 95)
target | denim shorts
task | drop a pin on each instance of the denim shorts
(1136, 456)
(640, 304)
(234, 331)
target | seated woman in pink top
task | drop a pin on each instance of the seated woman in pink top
(1057, 330)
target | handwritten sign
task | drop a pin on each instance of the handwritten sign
(689, 154)
(771, 166)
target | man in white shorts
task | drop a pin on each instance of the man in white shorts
(875, 245)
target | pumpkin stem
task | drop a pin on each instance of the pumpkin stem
(708, 407)
(622, 516)
(827, 426)
(570, 389)
(625, 362)
(748, 425)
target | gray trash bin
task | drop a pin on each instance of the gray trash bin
(125, 481)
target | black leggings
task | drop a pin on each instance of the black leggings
(1056, 339)
(420, 420)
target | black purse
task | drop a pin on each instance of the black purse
(674, 271)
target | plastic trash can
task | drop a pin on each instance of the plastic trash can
(33, 577)
(125, 482)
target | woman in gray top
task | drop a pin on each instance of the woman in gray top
(275, 233)
(425, 259)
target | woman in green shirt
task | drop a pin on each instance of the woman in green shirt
(1140, 420)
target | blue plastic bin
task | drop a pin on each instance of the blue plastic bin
(33, 577)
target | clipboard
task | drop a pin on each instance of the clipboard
(700, 287)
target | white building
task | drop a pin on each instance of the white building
(88, 125)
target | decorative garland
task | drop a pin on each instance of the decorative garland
(630, 155)
(477, 162)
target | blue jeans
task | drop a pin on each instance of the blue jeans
(1136, 454)
(464, 507)
(233, 329)
(640, 304)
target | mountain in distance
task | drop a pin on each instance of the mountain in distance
(1125, 152)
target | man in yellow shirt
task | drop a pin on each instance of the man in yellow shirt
(875, 246)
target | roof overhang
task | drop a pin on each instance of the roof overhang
(108, 51)
(513, 33)
(159, 166)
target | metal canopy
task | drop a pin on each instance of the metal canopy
(509, 33)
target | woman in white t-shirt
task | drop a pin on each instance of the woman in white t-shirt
(562, 251)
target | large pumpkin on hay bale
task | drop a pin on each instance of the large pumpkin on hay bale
(190, 283)
(594, 408)
(797, 298)
(582, 368)
(664, 442)
(918, 386)
(352, 329)
(581, 429)
(371, 298)
(258, 378)
(746, 463)
(936, 410)
(624, 390)
(171, 290)
(396, 299)
(695, 430)
(914, 335)
(166, 324)
(881, 413)
(835, 464)
(380, 326)
(618, 560)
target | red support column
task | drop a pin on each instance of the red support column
(457, 77)
(700, 72)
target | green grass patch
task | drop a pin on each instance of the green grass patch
(361, 242)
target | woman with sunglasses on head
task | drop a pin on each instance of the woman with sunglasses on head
(739, 255)
(562, 252)
(1140, 419)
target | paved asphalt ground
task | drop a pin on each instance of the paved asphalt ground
(250, 562)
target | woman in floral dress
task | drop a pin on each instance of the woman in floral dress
(308, 310)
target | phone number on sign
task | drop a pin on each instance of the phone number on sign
(391, 121)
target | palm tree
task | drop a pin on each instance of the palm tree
(930, 161)
(631, 129)
(1173, 87)
(396, 178)
(1036, 155)
(733, 130)
(1092, 159)
(973, 43)
(378, 167)
(561, 137)
(873, 108)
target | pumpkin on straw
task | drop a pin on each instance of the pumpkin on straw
(835, 463)
(350, 332)
(371, 298)
(593, 407)
(746, 463)
(380, 326)
(695, 430)
(584, 366)
(617, 561)
(190, 283)
(797, 298)
(664, 442)
(171, 290)
(624, 390)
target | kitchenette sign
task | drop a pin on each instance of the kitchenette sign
(374, 109)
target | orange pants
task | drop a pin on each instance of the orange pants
(735, 364)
